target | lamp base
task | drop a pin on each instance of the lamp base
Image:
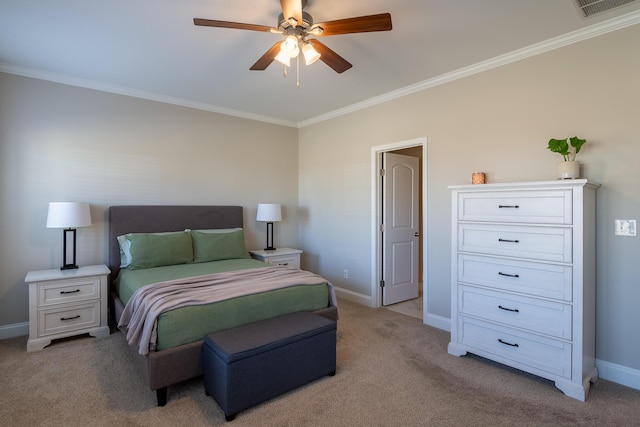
(69, 267)
(269, 249)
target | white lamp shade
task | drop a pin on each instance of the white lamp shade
(283, 57)
(68, 215)
(310, 54)
(269, 212)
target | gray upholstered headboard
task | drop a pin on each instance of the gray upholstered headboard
(153, 219)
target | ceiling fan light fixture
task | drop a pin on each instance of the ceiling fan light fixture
(310, 54)
(290, 45)
(283, 56)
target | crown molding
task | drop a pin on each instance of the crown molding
(135, 93)
(595, 30)
(577, 36)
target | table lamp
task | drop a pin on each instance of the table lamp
(68, 216)
(269, 212)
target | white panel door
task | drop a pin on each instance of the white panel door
(401, 226)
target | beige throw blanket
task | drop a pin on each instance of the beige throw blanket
(139, 319)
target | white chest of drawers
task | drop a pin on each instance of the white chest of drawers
(63, 303)
(523, 278)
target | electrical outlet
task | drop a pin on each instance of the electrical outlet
(345, 274)
(625, 227)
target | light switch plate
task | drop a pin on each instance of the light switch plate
(625, 227)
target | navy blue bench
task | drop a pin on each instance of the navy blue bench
(249, 364)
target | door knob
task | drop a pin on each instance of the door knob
(417, 234)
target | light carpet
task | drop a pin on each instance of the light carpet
(392, 371)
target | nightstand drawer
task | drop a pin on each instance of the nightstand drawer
(526, 277)
(72, 290)
(540, 243)
(536, 315)
(542, 207)
(286, 260)
(63, 319)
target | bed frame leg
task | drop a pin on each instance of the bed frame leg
(161, 395)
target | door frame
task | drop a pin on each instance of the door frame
(376, 217)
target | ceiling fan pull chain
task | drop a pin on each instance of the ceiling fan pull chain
(298, 72)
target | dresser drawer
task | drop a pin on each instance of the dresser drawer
(539, 243)
(63, 319)
(542, 207)
(530, 278)
(545, 354)
(539, 316)
(71, 290)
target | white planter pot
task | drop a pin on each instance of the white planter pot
(568, 170)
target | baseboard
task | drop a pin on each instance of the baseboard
(439, 322)
(356, 297)
(618, 374)
(15, 330)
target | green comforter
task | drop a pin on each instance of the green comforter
(193, 323)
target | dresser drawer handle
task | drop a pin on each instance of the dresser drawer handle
(513, 310)
(70, 318)
(508, 206)
(507, 274)
(283, 263)
(508, 241)
(69, 292)
(508, 343)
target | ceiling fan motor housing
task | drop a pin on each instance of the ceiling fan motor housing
(307, 22)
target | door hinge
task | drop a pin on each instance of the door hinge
(382, 172)
(382, 283)
(382, 228)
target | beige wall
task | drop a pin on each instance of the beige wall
(498, 121)
(63, 143)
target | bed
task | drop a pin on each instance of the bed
(175, 354)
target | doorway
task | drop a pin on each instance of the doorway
(416, 149)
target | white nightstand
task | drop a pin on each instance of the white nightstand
(63, 303)
(280, 256)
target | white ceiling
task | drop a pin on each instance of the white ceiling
(151, 49)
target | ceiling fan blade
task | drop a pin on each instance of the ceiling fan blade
(292, 9)
(266, 59)
(360, 24)
(228, 24)
(329, 57)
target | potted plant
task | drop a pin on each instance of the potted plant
(569, 168)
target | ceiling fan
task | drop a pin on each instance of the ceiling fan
(298, 27)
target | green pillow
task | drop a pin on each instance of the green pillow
(214, 245)
(158, 249)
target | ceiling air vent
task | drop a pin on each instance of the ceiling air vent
(593, 7)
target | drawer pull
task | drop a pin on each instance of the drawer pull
(69, 292)
(70, 318)
(283, 263)
(508, 206)
(507, 343)
(508, 241)
(507, 274)
(513, 310)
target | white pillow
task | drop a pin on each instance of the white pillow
(125, 250)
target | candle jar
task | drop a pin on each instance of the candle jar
(478, 178)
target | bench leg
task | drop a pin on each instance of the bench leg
(161, 395)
